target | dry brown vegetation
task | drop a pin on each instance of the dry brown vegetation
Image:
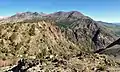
(43, 40)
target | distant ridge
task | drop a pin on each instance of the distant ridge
(3, 17)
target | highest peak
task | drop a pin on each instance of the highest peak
(61, 12)
(75, 12)
(70, 13)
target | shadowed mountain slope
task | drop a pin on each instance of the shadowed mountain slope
(81, 29)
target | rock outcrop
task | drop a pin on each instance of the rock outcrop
(82, 62)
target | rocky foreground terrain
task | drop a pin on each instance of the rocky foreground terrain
(58, 42)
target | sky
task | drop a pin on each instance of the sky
(100, 10)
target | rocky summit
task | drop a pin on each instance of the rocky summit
(57, 42)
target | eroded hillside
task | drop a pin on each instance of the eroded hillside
(41, 46)
(32, 40)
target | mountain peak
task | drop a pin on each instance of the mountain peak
(67, 14)
(76, 12)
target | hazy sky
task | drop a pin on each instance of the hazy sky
(104, 10)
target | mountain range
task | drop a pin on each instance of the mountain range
(60, 38)
(115, 27)
(74, 24)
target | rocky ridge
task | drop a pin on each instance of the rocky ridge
(33, 40)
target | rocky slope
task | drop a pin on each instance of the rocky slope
(115, 27)
(61, 41)
(82, 62)
(77, 28)
(32, 40)
(40, 46)
(113, 48)
(83, 30)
